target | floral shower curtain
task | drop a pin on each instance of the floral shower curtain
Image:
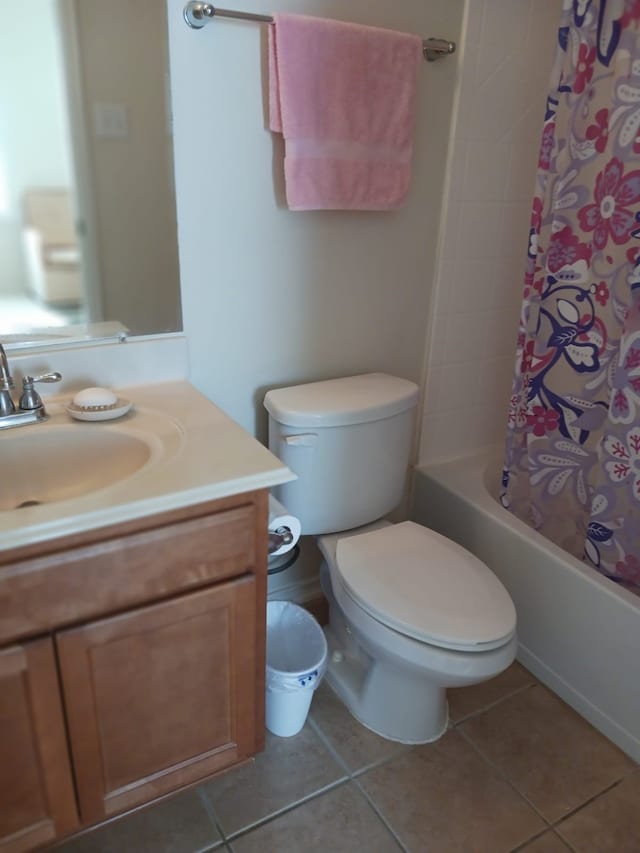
(573, 444)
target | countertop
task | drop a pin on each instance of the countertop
(198, 454)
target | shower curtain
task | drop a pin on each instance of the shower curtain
(572, 466)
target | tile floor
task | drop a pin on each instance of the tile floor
(517, 771)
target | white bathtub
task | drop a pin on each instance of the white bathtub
(578, 632)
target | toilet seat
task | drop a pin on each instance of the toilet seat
(426, 587)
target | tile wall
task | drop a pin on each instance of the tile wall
(505, 67)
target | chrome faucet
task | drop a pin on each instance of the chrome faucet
(30, 406)
(7, 406)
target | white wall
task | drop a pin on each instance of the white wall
(34, 136)
(506, 68)
(271, 297)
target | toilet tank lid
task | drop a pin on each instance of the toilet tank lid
(339, 402)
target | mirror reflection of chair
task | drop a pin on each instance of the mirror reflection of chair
(51, 248)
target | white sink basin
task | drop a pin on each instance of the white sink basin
(173, 449)
(45, 464)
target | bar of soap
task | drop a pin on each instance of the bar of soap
(92, 398)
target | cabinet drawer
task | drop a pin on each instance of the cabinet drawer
(40, 594)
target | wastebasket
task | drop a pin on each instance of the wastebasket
(296, 661)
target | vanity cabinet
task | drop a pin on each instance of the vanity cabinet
(38, 802)
(159, 697)
(146, 668)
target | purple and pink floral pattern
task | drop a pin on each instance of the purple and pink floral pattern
(572, 466)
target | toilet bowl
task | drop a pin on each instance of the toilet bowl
(411, 613)
(397, 642)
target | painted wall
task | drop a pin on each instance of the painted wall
(34, 137)
(506, 66)
(272, 297)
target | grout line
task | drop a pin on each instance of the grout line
(545, 831)
(484, 708)
(522, 844)
(381, 816)
(211, 814)
(329, 747)
(354, 772)
(588, 802)
(220, 844)
(402, 750)
(284, 809)
(550, 824)
(504, 777)
(565, 842)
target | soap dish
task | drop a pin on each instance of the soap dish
(100, 413)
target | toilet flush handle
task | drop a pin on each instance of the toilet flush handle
(302, 439)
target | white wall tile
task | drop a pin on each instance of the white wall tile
(433, 383)
(458, 387)
(479, 230)
(473, 285)
(485, 171)
(465, 337)
(507, 54)
(449, 247)
(521, 169)
(441, 303)
(446, 436)
(438, 340)
(457, 168)
(503, 33)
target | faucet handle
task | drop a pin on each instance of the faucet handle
(45, 377)
(30, 399)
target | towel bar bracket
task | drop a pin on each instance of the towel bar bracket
(437, 49)
(197, 15)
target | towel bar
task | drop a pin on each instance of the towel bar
(198, 14)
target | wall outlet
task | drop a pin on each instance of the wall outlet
(111, 121)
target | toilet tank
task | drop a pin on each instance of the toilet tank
(348, 440)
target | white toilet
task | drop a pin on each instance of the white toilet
(411, 613)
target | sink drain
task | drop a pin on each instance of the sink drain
(28, 503)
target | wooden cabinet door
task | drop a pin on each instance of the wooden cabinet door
(161, 696)
(37, 801)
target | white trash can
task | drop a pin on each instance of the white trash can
(296, 661)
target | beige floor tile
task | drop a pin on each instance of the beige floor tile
(547, 843)
(553, 756)
(340, 821)
(354, 743)
(444, 798)
(177, 825)
(287, 771)
(609, 824)
(464, 701)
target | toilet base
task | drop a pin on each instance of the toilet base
(395, 704)
(392, 684)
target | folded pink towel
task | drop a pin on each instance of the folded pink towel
(343, 96)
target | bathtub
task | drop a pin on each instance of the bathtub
(578, 632)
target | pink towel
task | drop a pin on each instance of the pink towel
(343, 96)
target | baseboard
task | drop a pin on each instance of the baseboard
(601, 721)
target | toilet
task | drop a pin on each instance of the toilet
(411, 613)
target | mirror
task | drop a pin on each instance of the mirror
(88, 241)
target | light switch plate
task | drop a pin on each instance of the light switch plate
(111, 121)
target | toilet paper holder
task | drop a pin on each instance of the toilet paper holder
(279, 537)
